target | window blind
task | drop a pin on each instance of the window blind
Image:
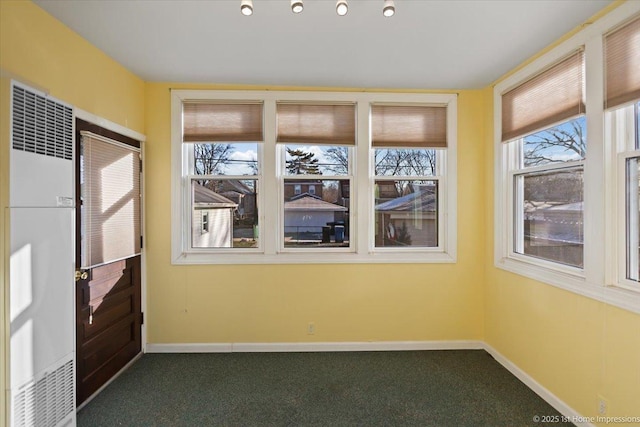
(622, 64)
(316, 123)
(222, 122)
(408, 126)
(110, 189)
(553, 96)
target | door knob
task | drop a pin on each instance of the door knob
(81, 275)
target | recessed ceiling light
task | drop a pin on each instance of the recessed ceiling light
(246, 7)
(389, 8)
(342, 7)
(296, 6)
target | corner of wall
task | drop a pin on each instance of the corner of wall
(4, 244)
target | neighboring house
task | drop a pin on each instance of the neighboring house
(554, 231)
(297, 188)
(386, 190)
(344, 192)
(308, 214)
(415, 213)
(211, 219)
(243, 195)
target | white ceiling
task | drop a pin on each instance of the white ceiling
(428, 44)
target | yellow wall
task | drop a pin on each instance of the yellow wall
(572, 345)
(38, 50)
(576, 347)
(274, 303)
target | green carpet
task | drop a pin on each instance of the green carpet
(414, 388)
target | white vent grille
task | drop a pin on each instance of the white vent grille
(41, 125)
(47, 401)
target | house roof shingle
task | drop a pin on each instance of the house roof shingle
(423, 200)
(204, 196)
(310, 203)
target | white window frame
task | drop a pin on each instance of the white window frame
(270, 189)
(439, 176)
(598, 279)
(205, 223)
(283, 176)
(514, 150)
(621, 129)
(187, 196)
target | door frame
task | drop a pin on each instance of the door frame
(114, 127)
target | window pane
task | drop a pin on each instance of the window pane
(405, 162)
(551, 208)
(406, 213)
(633, 219)
(110, 201)
(562, 143)
(225, 159)
(316, 160)
(229, 208)
(318, 219)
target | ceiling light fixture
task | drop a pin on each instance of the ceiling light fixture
(246, 7)
(389, 8)
(296, 6)
(342, 7)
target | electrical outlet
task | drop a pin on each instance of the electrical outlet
(311, 328)
(603, 405)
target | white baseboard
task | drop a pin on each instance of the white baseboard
(313, 346)
(540, 390)
(190, 348)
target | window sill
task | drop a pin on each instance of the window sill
(315, 258)
(616, 296)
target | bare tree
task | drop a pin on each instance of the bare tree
(399, 162)
(253, 165)
(389, 162)
(555, 145)
(544, 147)
(339, 157)
(330, 192)
(211, 158)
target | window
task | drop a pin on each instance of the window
(622, 92)
(566, 161)
(548, 194)
(222, 169)
(205, 222)
(633, 218)
(313, 218)
(407, 142)
(324, 133)
(110, 219)
(546, 167)
(623, 131)
(270, 177)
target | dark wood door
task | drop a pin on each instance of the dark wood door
(108, 302)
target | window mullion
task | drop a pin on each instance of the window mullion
(363, 180)
(632, 220)
(271, 230)
(517, 227)
(596, 192)
(550, 167)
